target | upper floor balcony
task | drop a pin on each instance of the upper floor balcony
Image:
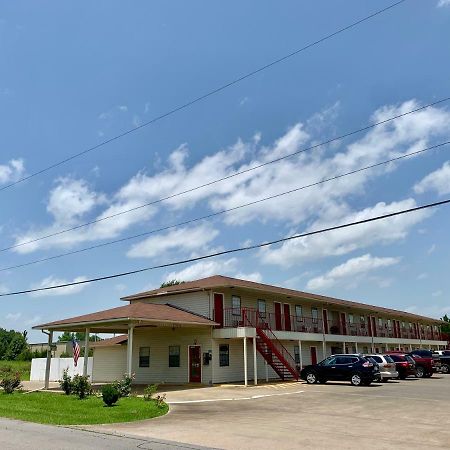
(278, 321)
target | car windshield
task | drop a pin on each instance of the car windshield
(409, 359)
(388, 359)
(396, 358)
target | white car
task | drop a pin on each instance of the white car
(386, 365)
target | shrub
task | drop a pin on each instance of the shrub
(9, 379)
(110, 394)
(149, 391)
(81, 386)
(66, 383)
(160, 400)
(123, 386)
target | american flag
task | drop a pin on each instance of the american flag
(76, 351)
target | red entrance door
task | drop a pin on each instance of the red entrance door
(343, 324)
(287, 317)
(374, 326)
(195, 364)
(277, 307)
(313, 355)
(218, 309)
(325, 321)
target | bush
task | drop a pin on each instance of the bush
(110, 394)
(123, 386)
(9, 379)
(149, 391)
(160, 400)
(81, 386)
(66, 383)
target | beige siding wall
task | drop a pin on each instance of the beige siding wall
(110, 363)
(159, 340)
(197, 302)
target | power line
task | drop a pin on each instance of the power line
(227, 252)
(202, 97)
(209, 216)
(250, 169)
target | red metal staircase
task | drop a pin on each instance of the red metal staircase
(270, 347)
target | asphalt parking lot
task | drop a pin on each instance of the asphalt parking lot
(408, 414)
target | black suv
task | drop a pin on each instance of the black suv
(354, 368)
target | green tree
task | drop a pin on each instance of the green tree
(78, 336)
(446, 327)
(17, 345)
(171, 283)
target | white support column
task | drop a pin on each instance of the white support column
(410, 347)
(399, 346)
(344, 344)
(255, 363)
(49, 360)
(86, 352)
(356, 347)
(130, 350)
(267, 371)
(324, 348)
(300, 354)
(245, 363)
(429, 347)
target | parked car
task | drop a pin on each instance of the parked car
(444, 357)
(386, 366)
(426, 365)
(342, 367)
(405, 364)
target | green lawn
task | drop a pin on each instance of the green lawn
(60, 409)
(23, 367)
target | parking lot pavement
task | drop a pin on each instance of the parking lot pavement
(408, 414)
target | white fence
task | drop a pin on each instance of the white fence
(58, 365)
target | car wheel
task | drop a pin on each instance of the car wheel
(311, 378)
(366, 383)
(356, 379)
(385, 380)
(428, 375)
(322, 381)
(420, 372)
(445, 368)
(402, 377)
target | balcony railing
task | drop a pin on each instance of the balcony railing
(235, 317)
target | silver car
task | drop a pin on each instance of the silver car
(386, 365)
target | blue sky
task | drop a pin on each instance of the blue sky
(73, 77)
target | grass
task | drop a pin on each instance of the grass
(23, 367)
(60, 409)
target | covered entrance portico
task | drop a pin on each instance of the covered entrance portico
(143, 323)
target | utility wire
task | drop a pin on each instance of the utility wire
(209, 216)
(202, 97)
(227, 252)
(250, 169)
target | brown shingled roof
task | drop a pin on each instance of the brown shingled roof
(220, 281)
(116, 340)
(147, 312)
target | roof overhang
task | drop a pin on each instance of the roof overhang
(119, 325)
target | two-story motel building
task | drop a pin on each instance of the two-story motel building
(221, 329)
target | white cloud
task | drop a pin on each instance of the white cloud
(193, 238)
(354, 267)
(437, 293)
(443, 3)
(253, 276)
(422, 276)
(431, 249)
(54, 281)
(13, 316)
(438, 181)
(12, 171)
(349, 239)
(33, 321)
(204, 269)
(326, 203)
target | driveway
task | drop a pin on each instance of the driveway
(410, 414)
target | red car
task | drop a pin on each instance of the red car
(425, 364)
(404, 364)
